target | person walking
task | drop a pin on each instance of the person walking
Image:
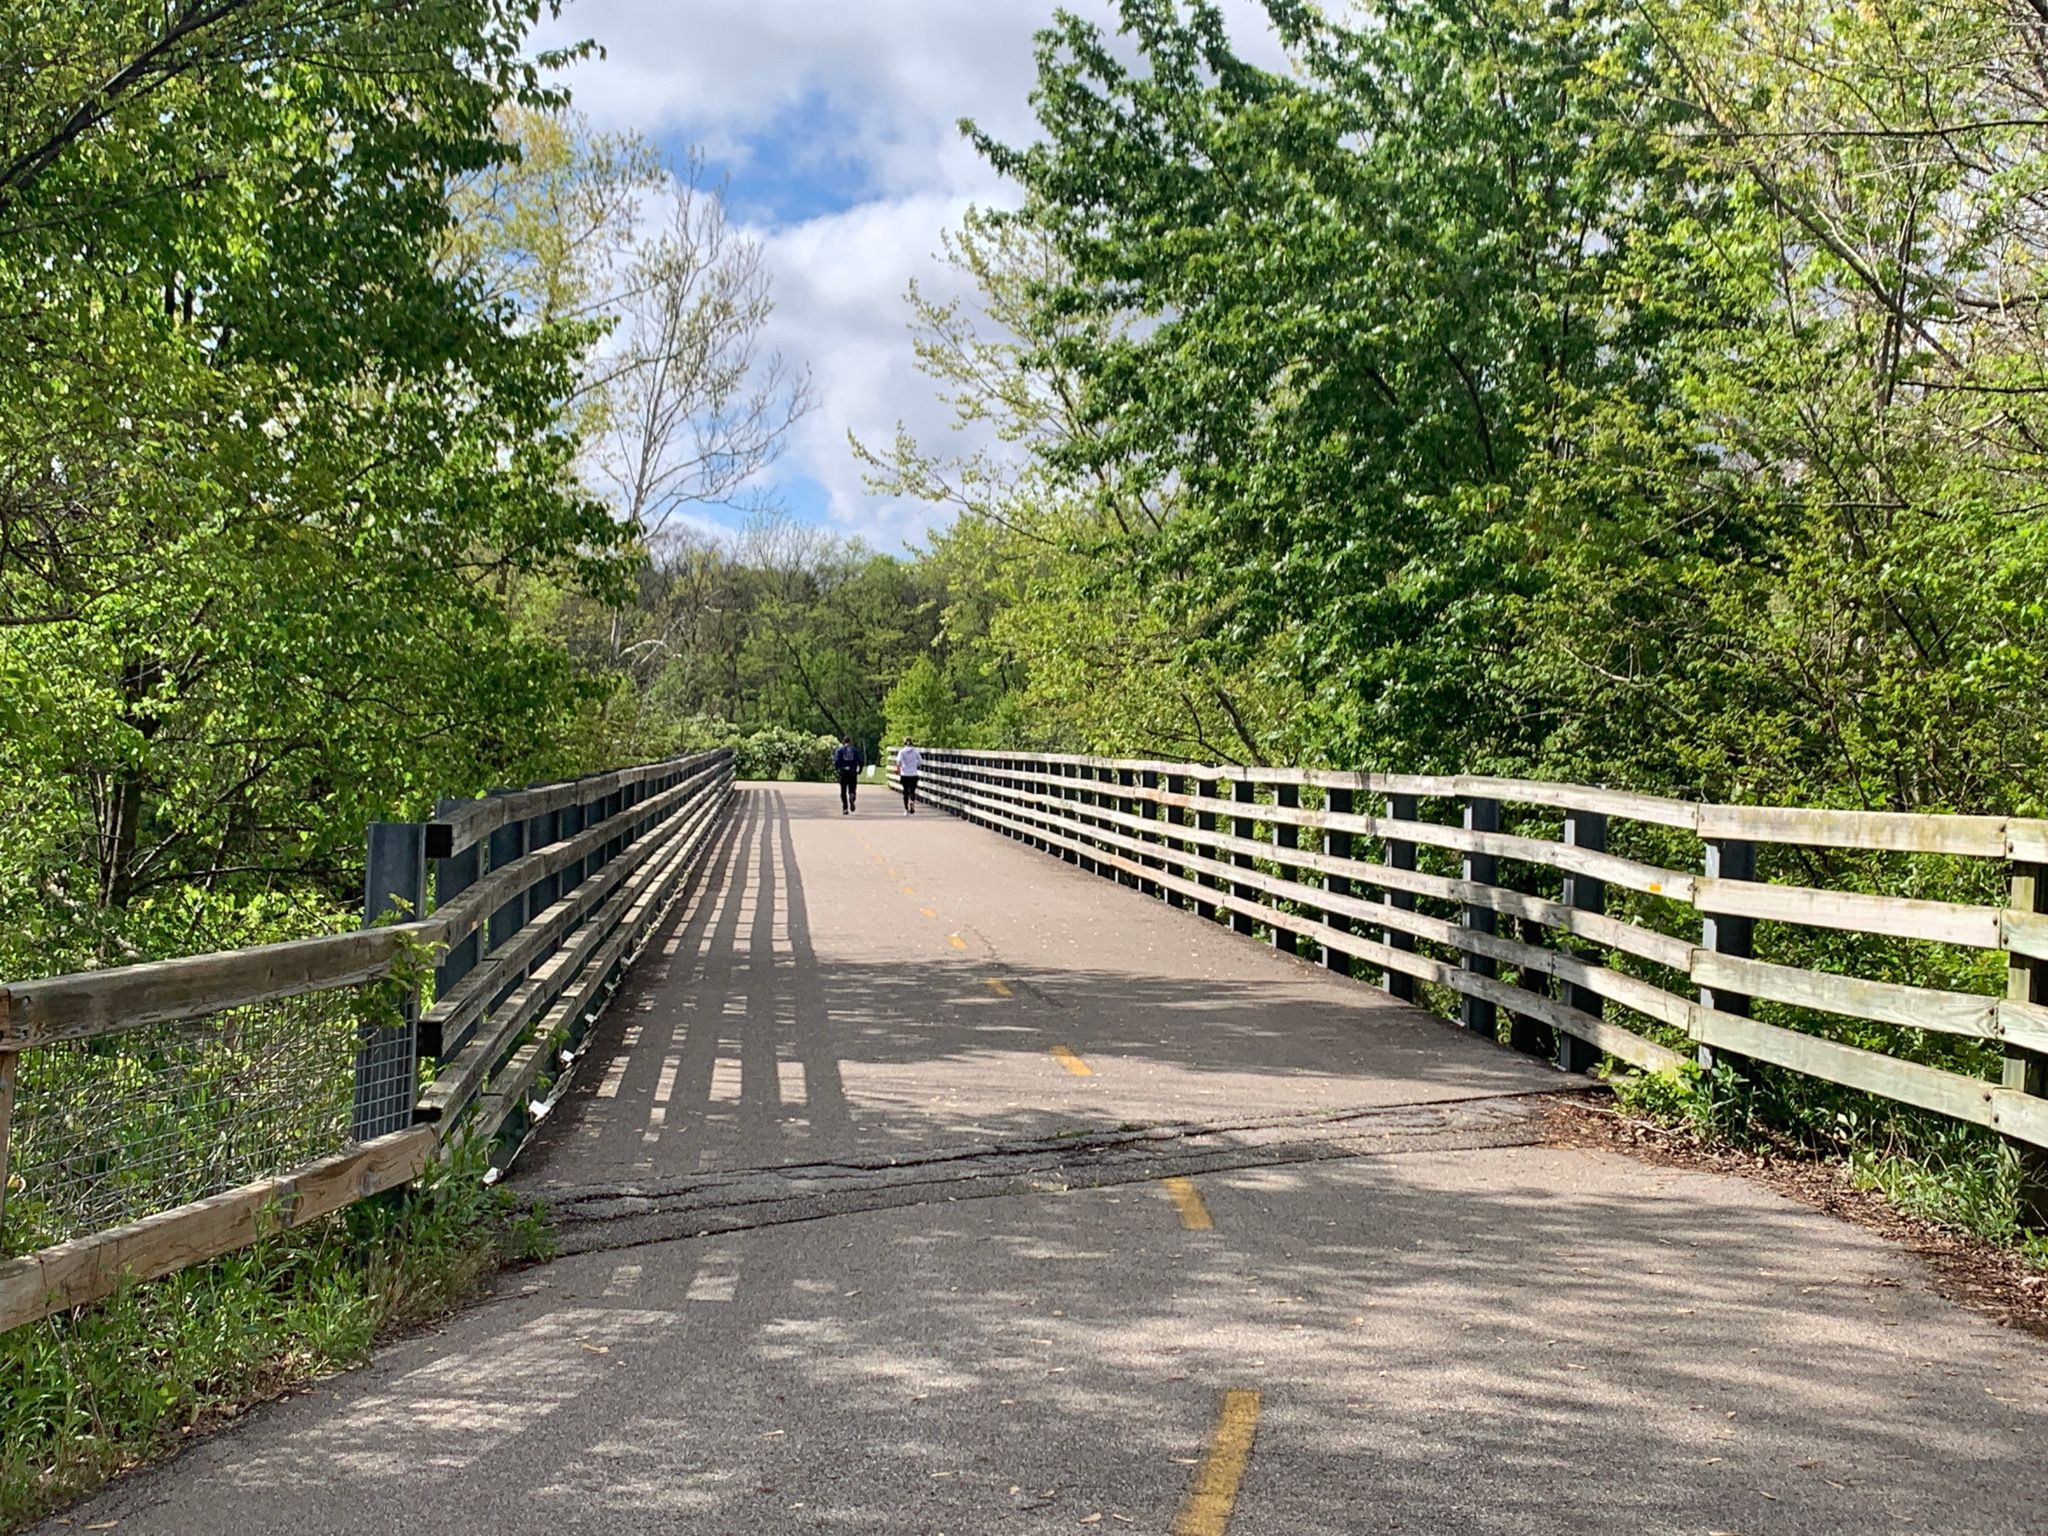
(908, 762)
(847, 764)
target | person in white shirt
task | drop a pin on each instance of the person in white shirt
(908, 761)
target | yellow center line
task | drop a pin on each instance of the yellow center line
(1194, 1214)
(908, 891)
(1213, 1494)
(954, 939)
(1001, 989)
(1070, 1061)
(928, 911)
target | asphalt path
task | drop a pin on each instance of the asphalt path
(917, 1182)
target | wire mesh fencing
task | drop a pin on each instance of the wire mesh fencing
(110, 1130)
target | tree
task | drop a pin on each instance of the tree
(920, 707)
(266, 460)
(691, 407)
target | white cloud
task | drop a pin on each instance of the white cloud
(880, 86)
(839, 306)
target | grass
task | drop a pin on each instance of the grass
(90, 1394)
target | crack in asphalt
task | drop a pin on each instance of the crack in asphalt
(605, 1218)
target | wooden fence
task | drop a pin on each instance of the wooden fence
(1564, 923)
(528, 903)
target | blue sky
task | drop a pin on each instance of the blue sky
(834, 123)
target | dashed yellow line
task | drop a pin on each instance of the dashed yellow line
(908, 891)
(1194, 1214)
(1213, 1494)
(1000, 988)
(928, 911)
(1074, 1064)
(954, 939)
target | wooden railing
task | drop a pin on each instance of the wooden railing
(1612, 950)
(526, 903)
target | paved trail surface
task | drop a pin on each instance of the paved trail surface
(922, 1184)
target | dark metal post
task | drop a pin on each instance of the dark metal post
(387, 1058)
(1286, 835)
(1337, 845)
(1400, 854)
(1245, 792)
(1588, 830)
(1475, 1013)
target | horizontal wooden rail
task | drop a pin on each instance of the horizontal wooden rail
(468, 824)
(86, 1004)
(605, 883)
(89, 1268)
(463, 1075)
(1992, 837)
(1314, 877)
(91, 1003)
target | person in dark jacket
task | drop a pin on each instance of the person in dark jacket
(847, 764)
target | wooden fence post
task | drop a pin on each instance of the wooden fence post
(1399, 854)
(1132, 806)
(387, 1059)
(507, 843)
(1727, 859)
(1070, 799)
(1244, 792)
(1475, 1013)
(1286, 835)
(1176, 842)
(10, 1062)
(1338, 846)
(1588, 830)
(1168, 818)
(569, 820)
(1526, 1032)
(453, 876)
(1086, 800)
(2027, 1071)
(1205, 827)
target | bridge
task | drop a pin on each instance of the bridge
(1112, 1145)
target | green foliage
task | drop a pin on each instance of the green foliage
(1708, 1104)
(776, 752)
(267, 462)
(94, 1392)
(920, 707)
